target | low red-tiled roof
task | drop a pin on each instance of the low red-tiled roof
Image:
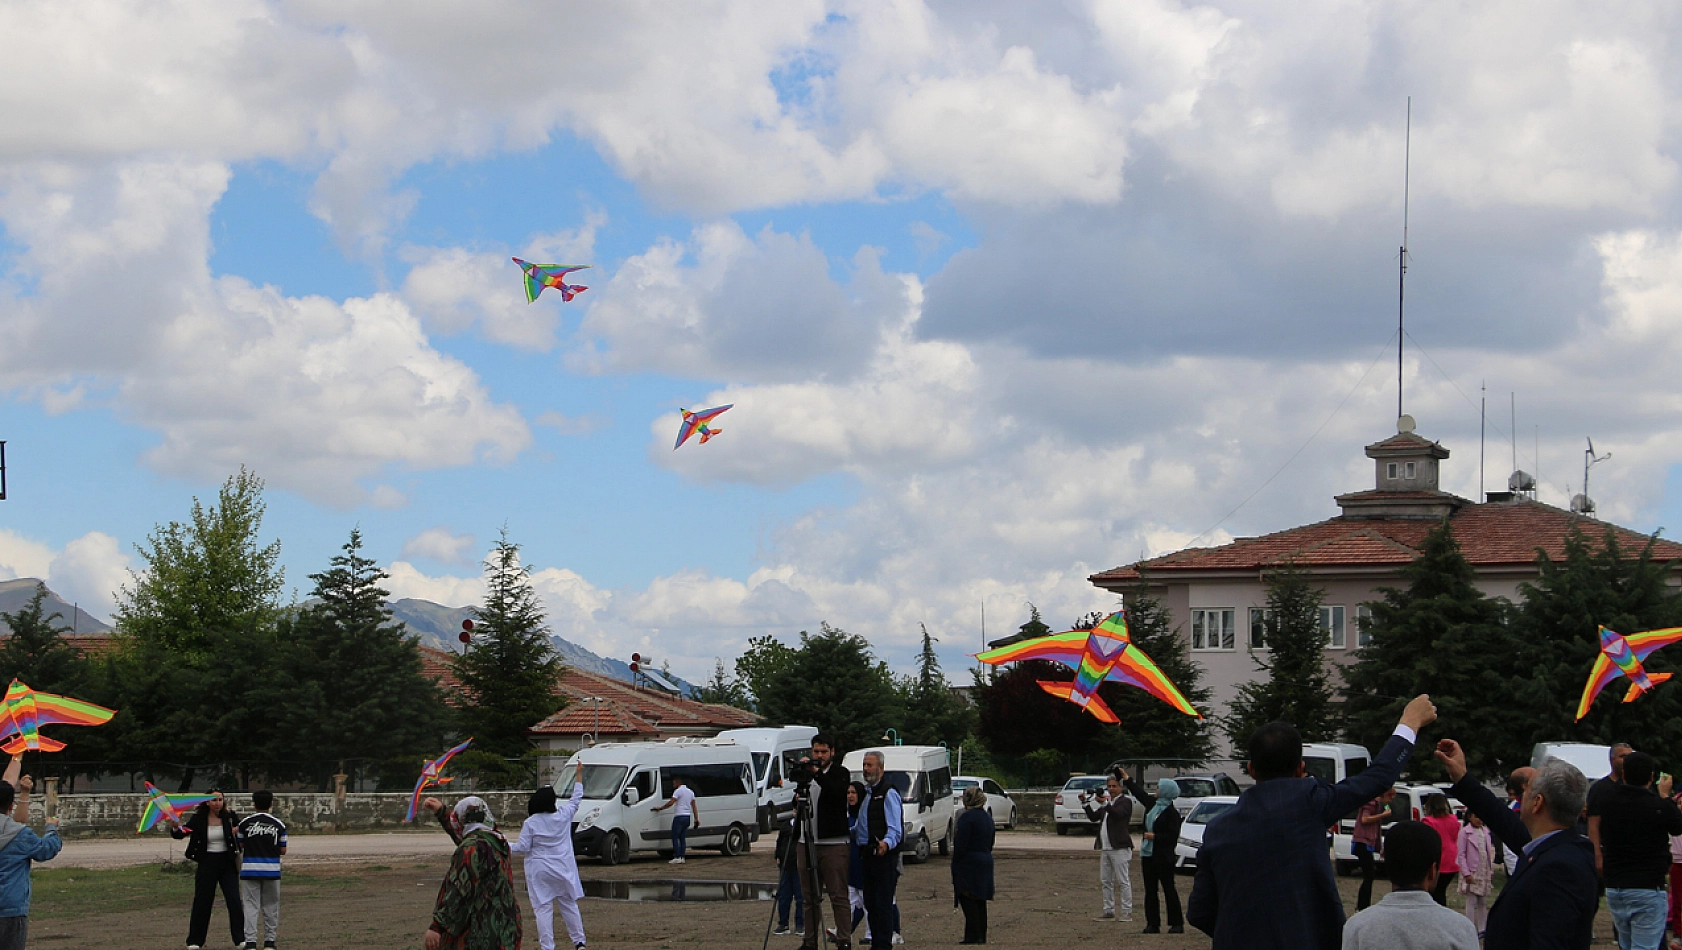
(611, 719)
(1490, 535)
(661, 709)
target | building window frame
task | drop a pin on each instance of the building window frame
(1332, 621)
(1363, 626)
(1410, 470)
(1222, 638)
(1391, 470)
(1258, 627)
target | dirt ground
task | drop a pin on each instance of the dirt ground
(1044, 900)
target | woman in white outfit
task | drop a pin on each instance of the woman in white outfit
(551, 868)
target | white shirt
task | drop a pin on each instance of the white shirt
(546, 841)
(215, 840)
(683, 801)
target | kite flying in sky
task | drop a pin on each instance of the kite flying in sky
(1622, 656)
(24, 711)
(430, 776)
(168, 808)
(540, 276)
(1105, 652)
(694, 422)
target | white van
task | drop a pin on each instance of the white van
(774, 749)
(923, 775)
(624, 781)
(1594, 761)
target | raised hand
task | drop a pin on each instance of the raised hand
(1452, 757)
(431, 805)
(1420, 712)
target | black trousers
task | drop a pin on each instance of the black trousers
(1440, 892)
(216, 870)
(881, 878)
(975, 918)
(1369, 870)
(1160, 874)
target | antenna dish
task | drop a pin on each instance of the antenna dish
(1405, 424)
(1582, 504)
(1521, 481)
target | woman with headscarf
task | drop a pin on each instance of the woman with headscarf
(476, 909)
(972, 864)
(551, 868)
(1156, 855)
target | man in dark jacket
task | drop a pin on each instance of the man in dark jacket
(826, 796)
(1114, 843)
(1635, 830)
(1264, 876)
(1549, 902)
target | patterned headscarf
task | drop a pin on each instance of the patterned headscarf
(974, 797)
(1166, 791)
(473, 814)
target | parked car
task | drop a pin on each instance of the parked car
(1191, 830)
(1067, 812)
(1195, 787)
(999, 803)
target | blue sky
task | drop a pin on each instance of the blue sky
(1002, 294)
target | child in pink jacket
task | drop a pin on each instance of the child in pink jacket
(1476, 856)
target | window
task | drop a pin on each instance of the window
(1320, 767)
(707, 781)
(601, 781)
(1213, 629)
(1258, 627)
(776, 777)
(1390, 470)
(1363, 626)
(992, 788)
(1331, 621)
(1409, 469)
(760, 761)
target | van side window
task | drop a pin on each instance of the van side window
(709, 781)
(940, 782)
(1354, 767)
(991, 787)
(643, 782)
(776, 775)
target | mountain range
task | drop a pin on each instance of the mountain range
(434, 625)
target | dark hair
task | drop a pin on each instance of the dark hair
(8, 794)
(1639, 768)
(541, 802)
(262, 799)
(1411, 849)
(1437, 806)
(1275, 751)
(863, 793)
(204, 806)
(821, 739)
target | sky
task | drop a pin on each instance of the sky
(1003, 294)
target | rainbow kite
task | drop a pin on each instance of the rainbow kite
(541, 276)
(694, 422)
(1105, 652)
(430, 776)
(24, 711)
(163, 807)
(1622, 656)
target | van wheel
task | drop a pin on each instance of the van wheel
(616, 849)
(920, 851)
(735, 841)
(946, 842)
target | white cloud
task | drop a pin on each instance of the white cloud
(440, 544)
(87, 571)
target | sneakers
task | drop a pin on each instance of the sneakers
(1106, 915)
(577, 946)
(782, 930)
(898, 940)
(1126, 918)
(675, 861)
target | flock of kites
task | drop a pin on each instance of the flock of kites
(541, 277)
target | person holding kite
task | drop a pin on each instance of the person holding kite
(20, 848)
(1157, 855)
(551, 867)
(476, 909)
(213, 842)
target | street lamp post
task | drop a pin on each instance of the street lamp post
(892, 735)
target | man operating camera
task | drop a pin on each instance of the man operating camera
(822, 790)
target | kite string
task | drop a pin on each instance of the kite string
(1383, 350)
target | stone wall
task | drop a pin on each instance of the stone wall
(108, 814)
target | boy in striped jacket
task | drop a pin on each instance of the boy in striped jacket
(262, 839)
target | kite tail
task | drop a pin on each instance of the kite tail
(1099, 709)
(709, 433)
(19, 744)
(1635, 690)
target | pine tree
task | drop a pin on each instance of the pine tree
(837, 685)
(722, 690)
(1298, 689)
(36, 651)
(350, 686)
(932, 714)
(1443, 636)
(511, 670)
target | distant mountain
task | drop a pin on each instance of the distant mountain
(438, 626)
(15, 595)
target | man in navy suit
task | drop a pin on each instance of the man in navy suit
(1264, 877)
(1550, 901)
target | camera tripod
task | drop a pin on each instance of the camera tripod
(806, 825)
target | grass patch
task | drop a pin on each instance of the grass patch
(80, 892)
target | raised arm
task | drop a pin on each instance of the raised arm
(569, 807)
(1503, 823)
(1337, 802)
(436, 807)
(1137, 789)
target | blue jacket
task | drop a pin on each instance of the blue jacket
(1550, 900)
(1264, 875)
(23, 847)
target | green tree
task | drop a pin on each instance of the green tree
(932, 714)
(205, 577)
(722, 690)
(1443, 636)
(511, 670)
(765, 660)
(1151, 730)
(36, 651)
(1017, 717)
(1298, 689)
(348, 684)
(1558, 624)
(837, 685)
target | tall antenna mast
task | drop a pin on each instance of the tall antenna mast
(1483, 419)
(1402, 278)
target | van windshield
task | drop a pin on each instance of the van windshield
(602, 781)
(1320, 767)
(761, 761)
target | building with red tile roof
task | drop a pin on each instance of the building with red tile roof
(1217, 594)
